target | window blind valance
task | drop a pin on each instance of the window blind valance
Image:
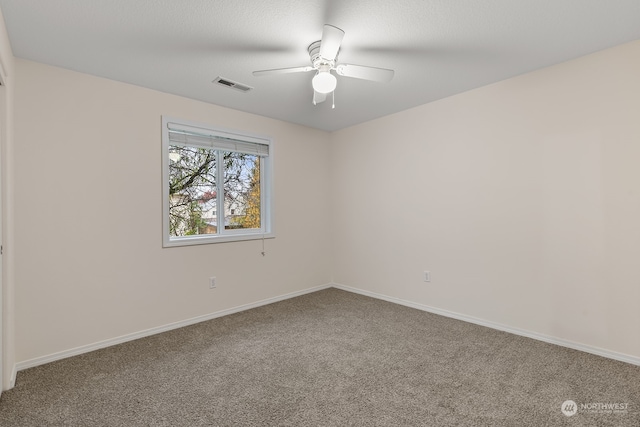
(205, 138)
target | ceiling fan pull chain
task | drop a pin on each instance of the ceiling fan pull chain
(333, 99)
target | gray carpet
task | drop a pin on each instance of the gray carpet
(331, 358)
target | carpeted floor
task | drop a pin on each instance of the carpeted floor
(331, 358)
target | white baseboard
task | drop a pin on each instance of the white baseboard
(11, 381)
(14, 374)
(136, 335)
(516, 331)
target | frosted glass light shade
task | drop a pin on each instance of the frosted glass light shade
(324, 82)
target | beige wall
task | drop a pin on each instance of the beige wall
(522, 198)
(89, 259)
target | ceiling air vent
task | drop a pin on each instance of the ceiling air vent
(233, 85)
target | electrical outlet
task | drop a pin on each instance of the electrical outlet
(427, 276)
(212, 282)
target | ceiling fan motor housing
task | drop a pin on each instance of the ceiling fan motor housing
(316, 59)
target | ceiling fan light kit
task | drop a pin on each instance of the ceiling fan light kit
(324, 57)
(324, 81)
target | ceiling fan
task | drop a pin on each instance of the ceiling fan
(324, 59)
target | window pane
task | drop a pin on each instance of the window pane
(241, 191)
(192, 191)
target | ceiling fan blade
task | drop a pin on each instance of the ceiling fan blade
(364, 72)
(330, 44)
(318, 97)
(282, 71)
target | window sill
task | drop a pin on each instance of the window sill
(207, 240)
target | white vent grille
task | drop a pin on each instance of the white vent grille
(231, 84)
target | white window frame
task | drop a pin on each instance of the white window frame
(266, 178)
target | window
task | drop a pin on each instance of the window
(216, 184)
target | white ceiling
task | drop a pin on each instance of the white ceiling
(436, 47)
